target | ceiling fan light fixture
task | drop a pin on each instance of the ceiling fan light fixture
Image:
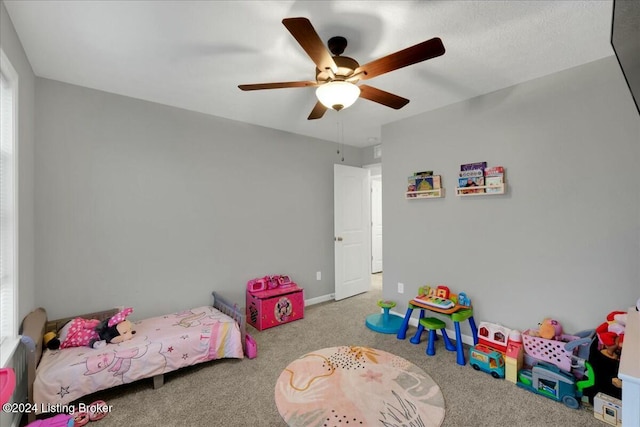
(337, 95)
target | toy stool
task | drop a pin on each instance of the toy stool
(384, 322)
(432, 324)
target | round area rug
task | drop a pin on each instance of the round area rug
(357, 386)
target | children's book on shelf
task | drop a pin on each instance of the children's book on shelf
(472, 175)
(468, 184)
(473, 166)
(423, 181)
(411, 188)
(494, 184)
(494, 179)
(494, 171)
(428, 183)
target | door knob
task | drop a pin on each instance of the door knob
(337, 239)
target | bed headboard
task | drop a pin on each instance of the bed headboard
(34, 326)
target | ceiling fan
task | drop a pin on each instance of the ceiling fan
(337, 75)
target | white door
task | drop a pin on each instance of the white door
(352, 222)
(376, 224)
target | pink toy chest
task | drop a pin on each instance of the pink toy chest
(273, 307)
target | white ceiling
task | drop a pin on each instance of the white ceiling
(193, 54)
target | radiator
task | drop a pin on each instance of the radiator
(19, 364)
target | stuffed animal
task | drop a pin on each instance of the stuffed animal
(51, 341)
(604, 356)
(550, 329)
(116, 329)
(611, 334)
(93, 333)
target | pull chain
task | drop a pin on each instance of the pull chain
(340, 143)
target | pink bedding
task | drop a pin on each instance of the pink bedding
(161, 344)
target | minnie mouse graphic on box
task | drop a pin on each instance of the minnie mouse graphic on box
(283, 309)
(92, 333)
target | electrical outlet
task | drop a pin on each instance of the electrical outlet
(400, 288)
(318, 275)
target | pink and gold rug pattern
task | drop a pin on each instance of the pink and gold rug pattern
(357, 386)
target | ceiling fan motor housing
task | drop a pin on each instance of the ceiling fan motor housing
(337, 45)
(346, 67)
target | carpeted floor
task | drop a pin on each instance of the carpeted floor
(240, 393)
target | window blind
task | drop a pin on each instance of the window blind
(8, 206)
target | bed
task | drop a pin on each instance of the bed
(161, 344)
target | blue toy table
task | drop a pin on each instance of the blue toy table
(457, 313)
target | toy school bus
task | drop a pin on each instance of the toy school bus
(483, 358)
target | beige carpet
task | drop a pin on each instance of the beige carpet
(362, 386)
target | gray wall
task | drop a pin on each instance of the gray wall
(564, 241)
(368, 157)
(26, 81)
(154, 207)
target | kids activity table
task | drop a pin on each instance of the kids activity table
(458, 313)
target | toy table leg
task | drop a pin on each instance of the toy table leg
(459, 350)
(416, 337)
(418, 334)
(431, 346)
(402, 333)
(447, 342)
(474, 330)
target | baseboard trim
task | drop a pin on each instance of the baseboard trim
(318, 300)
(467, 339)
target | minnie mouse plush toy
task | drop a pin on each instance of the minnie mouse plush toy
(93, 333)
(115, 330)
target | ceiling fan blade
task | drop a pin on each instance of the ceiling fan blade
(381, 97)
(421, 52)
(280, 85)
(302, 30)
(317, 112)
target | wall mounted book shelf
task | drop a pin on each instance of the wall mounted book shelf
(482, 190)
(425, 194)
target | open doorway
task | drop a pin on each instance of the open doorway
(376, 224)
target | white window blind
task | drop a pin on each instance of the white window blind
(8, 208)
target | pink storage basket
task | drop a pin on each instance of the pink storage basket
(551, 351)
(251, 347)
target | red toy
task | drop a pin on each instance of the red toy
(611, 334)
